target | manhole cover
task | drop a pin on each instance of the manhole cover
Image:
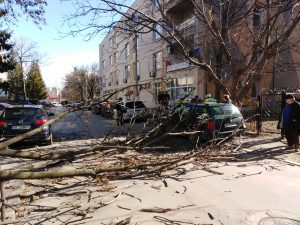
(278, 221)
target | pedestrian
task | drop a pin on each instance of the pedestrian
(121, 109)
(227, 99)
(297, 95)
(291, 121)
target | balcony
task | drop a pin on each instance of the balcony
(179, 10)
(178, 66)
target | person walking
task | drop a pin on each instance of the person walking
(120, 107)
(291, 121)
(297, 95)
(227, 99)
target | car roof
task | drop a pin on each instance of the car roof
(5, 104)
(26, 106)
(211, 104)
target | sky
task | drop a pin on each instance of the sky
(62, 55)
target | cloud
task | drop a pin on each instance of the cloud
(62, 64)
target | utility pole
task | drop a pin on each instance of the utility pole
(135, 19)
(23, 79)
(136, 65)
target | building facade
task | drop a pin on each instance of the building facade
(147, 60)
(147, 65)
(54, 94)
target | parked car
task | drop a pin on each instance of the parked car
(96, 109)
(214, 120)
(55, 104)
(106, 109)
(19, 119)
(134, 109)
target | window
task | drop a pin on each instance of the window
(115, 57)
(256, 16)
(22, 113)
(110, 60)
(117, 77)
(103, 64)
(110, 42)
(117, 36)
(155, 3)
(138, 69)
(114, 39)
(157, 31)
(157, 60)
(110, 79)
(127, 73)
(127, 50)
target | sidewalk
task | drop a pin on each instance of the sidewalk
(229, 193)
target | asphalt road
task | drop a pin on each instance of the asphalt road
(85, 125)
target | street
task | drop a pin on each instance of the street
(85, 125)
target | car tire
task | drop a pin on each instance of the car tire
(50, 140)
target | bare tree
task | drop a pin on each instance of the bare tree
(82, 83)
(93, 82)
(33, 9)
(232, 42)
(26, 52)
(75, 84)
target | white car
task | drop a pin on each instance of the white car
(134, 109)
(56, 104)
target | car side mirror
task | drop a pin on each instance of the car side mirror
(51, 114)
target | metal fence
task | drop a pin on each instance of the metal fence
(267, 107)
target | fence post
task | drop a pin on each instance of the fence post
(258, 114)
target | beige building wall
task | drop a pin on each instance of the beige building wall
(179, 76)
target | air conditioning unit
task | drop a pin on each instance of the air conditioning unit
(152, 74)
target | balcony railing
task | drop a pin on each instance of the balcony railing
(178, 66)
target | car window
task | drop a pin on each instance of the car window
(226, 110)
(137, 104)
(201, 110)
(17, 113)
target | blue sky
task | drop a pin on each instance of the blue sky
(61, 54)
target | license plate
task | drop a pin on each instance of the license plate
(228, 125)
(21, 127)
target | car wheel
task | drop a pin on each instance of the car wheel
(50, 140)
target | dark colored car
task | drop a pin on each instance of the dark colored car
(214, 120)
(107, 109)
(3, 106)
(19, 119)
(136, 109)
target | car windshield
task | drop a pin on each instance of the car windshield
(226, 110)
(137, 104)
(17, 113)
(200, 110)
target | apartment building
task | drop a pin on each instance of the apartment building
(155, 65)
(54, 94)
(158, 68)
